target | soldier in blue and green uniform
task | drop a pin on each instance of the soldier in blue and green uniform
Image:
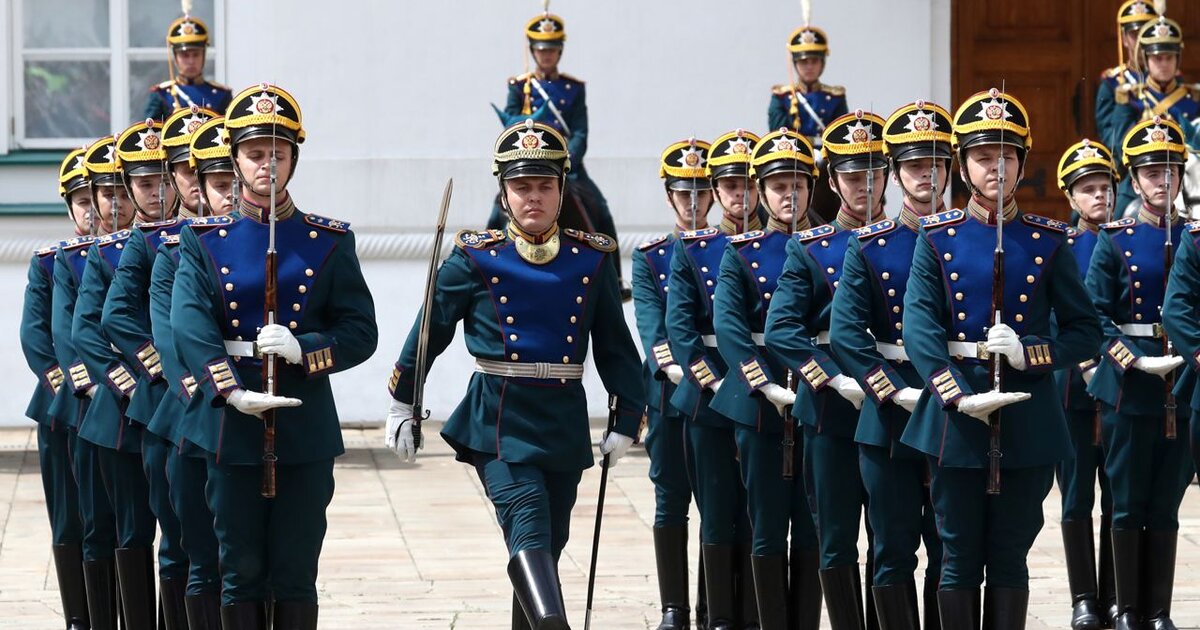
(323, 323)
(1126, 75)
(1087, 175)
(672, 460)
(530, 297)
(949, 334)
(865, 334)
(1183, 325)
(807, 106)
(115, 421)
(705, 435)
(559, 101)
(828, 400)
(126, 321)
(54, 436)
(186, 466)
(1162, 93)
(187, 38)
(754, 396)
(1147, 465)
(110, 209)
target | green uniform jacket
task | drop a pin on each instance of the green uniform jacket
(651, 273)
(71, 399)
(37, 341)
(1181, 314)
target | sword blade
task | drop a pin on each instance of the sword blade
(419, 371)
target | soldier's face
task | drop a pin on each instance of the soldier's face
(108, 197)
(681, 201)
(153, 194)
(534, 202)
(1091, 194)
(915, 177)
(547, 58)
(80, 202)
(254, 163)
(190, 62)
(780, 189)
(733, 193)
(186, 185)
(983, 169)
(810, 68)
(1151, 183)
(218, 192)
(855, 194)
(1163, 66)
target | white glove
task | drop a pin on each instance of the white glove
(91, 392)
(674, 374)
(849, 389)
(399, 431)
(614, 445)
(779, 396)
(255, 403)
(1158, 366)
(1088, 375)
(1002, 339)
(980, 406)
(907, 398)
(715, 385)
(278, 340)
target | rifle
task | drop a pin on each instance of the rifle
(996, 365)
(270, 313)
(419, 370)
(789, 433)
(1169, 425)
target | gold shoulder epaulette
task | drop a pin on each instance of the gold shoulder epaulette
(780, 90)
(478, 239)
(878, 228)
(835, 90)
(596, 240)
(1037, 220)
(746, 237)
(569, 77)
(950, 217)
(333, 225)
(654, 242)
(1118, 224)
(518, 78)
(813, 234)
(698, 235)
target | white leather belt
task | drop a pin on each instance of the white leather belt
(891, 351)
(968, 349)
(1142, 330)
(573, 371)
(241, 348)
(710, 341)
(822, 338)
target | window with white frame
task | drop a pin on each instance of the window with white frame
(84, 68)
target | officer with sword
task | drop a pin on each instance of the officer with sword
(530, 297)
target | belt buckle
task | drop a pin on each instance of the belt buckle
(254, 351)
(1157, 331)
(541, 370)
(981, 351)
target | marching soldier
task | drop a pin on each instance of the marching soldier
(755, 398)
(110, 208)
(559, 101)
(1126, 76)
(948, 306)
(187, 37)
(109, 423)
(269, 480)
(1163, 93)
(798, 333)
(865, 335)
(1183, 328)
(531, 296)
(126, 321)
(209, 158)
(54, 437)
(672, 461)
(1146, 462)
(1087, 175)
(690, 341)
(807, 106)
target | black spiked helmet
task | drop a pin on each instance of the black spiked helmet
(1160, 36)
(178, 130)
(530, 149)
(730, 154)
(1083, 158)
(264, 111)
(992, 117)
(682, 165)
(783, 151)
(916, 131)
(208, 148)
(854, 142)
(1156, 141)
(100, 161)
(72, 174)
(140, 149)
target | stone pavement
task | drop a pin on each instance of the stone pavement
(417, 546)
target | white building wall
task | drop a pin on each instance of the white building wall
(395, 100)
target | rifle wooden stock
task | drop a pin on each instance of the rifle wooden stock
(1169, 424)
(789, 433)
(269, 386)
(997, 368)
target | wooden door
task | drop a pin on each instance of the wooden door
(1050, 55)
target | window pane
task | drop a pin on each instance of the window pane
(144, 75)
(66, 23)
(67, 99)
(149, 19)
